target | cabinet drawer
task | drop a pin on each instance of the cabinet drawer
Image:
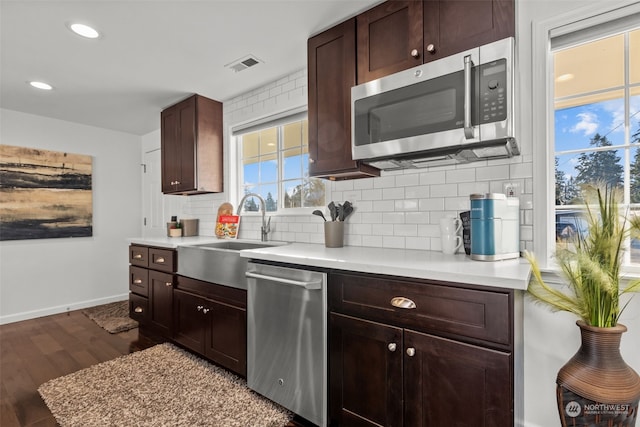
(139, 280)
(139, 308)
(439, 307)
(162, 259)
(139, 255)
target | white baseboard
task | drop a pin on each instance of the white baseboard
(11, 318)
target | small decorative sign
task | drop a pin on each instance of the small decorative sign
(228, 223)
(227, 226)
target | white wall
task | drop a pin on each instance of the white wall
(42, 277)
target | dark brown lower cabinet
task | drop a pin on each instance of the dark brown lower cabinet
(449, 383)
(216, 329)
(365, 376)
(383, 375)
(412, 352)
(161, 299)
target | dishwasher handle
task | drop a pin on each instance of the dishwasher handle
(307, 285)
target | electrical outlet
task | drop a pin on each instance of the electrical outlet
(511, 189)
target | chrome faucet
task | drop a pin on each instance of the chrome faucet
(265, 229)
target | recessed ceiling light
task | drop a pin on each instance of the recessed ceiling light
(41, 85)
(564, 77)
(84, 31)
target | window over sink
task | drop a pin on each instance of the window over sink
(273, 161)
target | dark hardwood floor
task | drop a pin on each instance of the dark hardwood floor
(35, 351)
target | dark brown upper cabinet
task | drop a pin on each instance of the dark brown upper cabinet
(452, 26)
(397, 35)
(332, 73)
(191, 143)
(389, 39)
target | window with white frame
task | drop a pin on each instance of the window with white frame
(596, 120)
(273, 162)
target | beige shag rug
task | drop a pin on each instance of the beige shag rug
(114, 317)
(160, 386)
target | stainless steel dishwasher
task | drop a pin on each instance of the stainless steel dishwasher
(286, 338)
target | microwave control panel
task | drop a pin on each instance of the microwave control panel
(493, 91)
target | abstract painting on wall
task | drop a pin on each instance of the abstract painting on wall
(44, 194)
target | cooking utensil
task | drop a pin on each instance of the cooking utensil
(333, 210)
(346, 210)
(319, 213)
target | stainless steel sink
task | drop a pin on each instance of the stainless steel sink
(235, 246)
(218, 262)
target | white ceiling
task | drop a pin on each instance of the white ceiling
(151, 54)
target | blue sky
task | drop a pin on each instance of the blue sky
(575, 126)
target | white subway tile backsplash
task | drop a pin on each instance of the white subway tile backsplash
(416, 217)
(399, 209)
(432, 204)
(384, 205)
(371, 217)
(406, 205)
(385, 181)
(419, 243)
(443, 190)
(407, 180)
(374, 194)
(405, 230)
(493, 173)
(417, 192)
(461, 175)
(434, 177)
(372, 241)
(393, 217)
(393, 193)
(473, 188)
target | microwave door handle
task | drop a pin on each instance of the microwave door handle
(468, 127)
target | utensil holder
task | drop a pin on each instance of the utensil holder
(334, 234)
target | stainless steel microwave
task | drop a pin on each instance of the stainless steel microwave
(456, 109)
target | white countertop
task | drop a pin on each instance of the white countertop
(171, 242)
(434, 265)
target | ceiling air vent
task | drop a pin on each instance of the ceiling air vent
(243, 63)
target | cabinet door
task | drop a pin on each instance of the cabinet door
(161, 301)
(178, 146)
(365, 365)
(189, 323)
(226, 341)
(331, 74)
(452, 26)
(389, 39)
(448, 383)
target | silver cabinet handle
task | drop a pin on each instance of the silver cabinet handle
(468, 128)
(431, 48)
(137, 256)
(306, 285)
(311, 160)
(402, 302)
(138, 309)
(137, 281)
(160, 260)
(411, 352)
(200, 307)
(167, 284)
(206, 310)
(392, 346)
(414, 53)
